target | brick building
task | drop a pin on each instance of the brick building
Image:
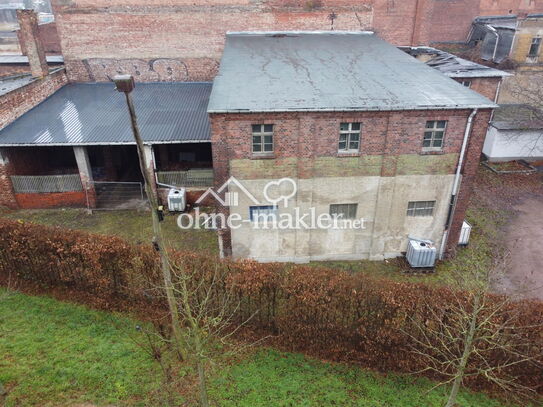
(365, 130)
(181, 40)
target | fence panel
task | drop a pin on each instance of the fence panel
(46, 183)
(191, 178)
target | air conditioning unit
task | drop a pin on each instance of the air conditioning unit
(421, 253)
(464, 234)
(177, 200)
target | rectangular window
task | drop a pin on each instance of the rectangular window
(467, 84)
(343, 211)
(262, 138)
(534, 47)
(263, 214)
(349, 137)
(421, 208)
(434, 134)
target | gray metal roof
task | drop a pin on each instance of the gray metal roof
(95, 113)
(453, 66)
(329, 71)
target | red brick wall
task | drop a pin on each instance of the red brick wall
(20, 101)
(52, 200)
(48, 35)
(485, 86)
(316, 134)
(6, 188)
(166, 40)
(471, 163)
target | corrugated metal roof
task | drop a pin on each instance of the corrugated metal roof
(329, 71)
(453, 66)
(95, 113)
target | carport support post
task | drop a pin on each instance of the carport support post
(85, 173)
(125, 84)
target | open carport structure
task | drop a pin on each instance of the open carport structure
(77, 149)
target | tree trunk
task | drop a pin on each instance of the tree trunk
(468, 347)
(204, 402)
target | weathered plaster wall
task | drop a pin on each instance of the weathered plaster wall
(382, 203)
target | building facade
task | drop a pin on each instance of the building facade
(385, 148)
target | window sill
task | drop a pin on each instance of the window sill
(263, 156)
(432, 152)
(349, 153)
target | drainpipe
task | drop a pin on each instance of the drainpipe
(496, 97)
(495, 32)
(456, 183)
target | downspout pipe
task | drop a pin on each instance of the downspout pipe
(456, 183)
(495, 32)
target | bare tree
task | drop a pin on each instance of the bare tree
(209, 315)
(477, 334)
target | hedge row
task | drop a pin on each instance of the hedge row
(322, 312)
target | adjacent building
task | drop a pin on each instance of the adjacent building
(515, 132)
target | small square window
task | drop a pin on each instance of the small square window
(467, 84)
(420, 208)
(343, 211)
(349, 137)
(263, 214)
(434, 134)
(262, 138)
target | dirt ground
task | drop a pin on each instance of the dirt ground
(524, 239)
(517, 199)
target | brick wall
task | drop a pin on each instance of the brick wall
(182, 40)
(52, 200)
(7, 197)
(48, 35)
(469, 170)
(315, 135)
(21, 100)
(485, 86)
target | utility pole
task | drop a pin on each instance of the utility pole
(126, 84)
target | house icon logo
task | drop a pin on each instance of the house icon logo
(231, 199)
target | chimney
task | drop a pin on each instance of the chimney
(30, 42)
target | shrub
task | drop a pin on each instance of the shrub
(323, 312)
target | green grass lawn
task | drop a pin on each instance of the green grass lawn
(135, 226)
(271, 378)
(56, 353)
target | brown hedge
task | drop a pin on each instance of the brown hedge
(323, 312)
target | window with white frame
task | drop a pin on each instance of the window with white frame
(534, 47)
(349, 137)
(343, 211)
(434, 134)
(467, 84)
(263, 213)
(421, 208)
(262, 138)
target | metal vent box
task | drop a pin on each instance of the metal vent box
(177, 200)
(465, 232)
(421, 253)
